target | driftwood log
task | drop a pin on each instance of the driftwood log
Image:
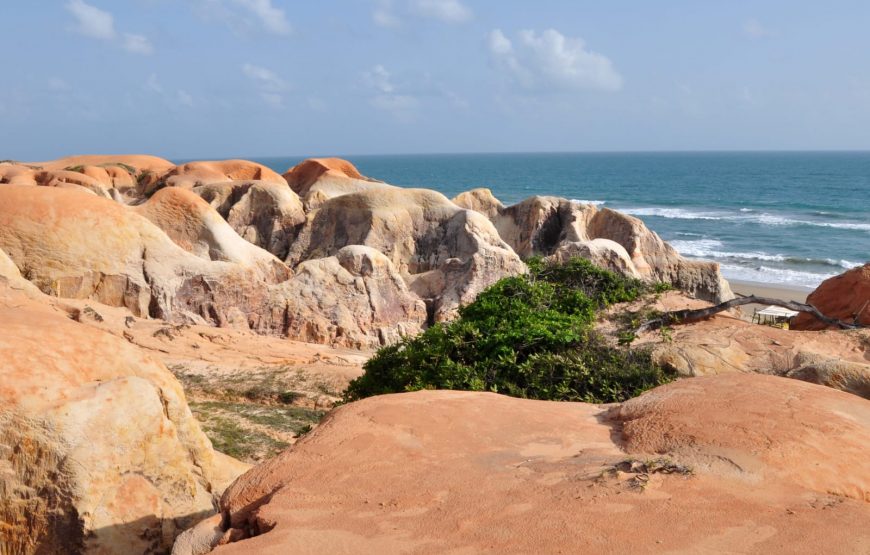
(689, 315)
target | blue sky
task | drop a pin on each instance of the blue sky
(221, 78)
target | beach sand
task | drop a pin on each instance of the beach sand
(783, 292)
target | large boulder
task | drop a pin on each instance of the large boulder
(844, 297)
(446, 254)
(264, 213)
(99, 452)
(738, 463)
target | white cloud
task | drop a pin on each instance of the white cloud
(243, 16)
(99, 24)
(449, 11)
(268, 83)
(265, 77)
(138, 44)
(92, 21)
(273, 19)
(754, 28)
(498, 43)
(552, 61)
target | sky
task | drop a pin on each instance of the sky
(256, 78)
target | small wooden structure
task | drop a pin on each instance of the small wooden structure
(774, 316)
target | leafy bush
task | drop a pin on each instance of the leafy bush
(527, 336)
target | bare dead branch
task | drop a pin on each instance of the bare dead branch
(693, 315)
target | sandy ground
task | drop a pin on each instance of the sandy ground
(784, 292)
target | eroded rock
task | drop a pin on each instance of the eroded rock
(99, 452)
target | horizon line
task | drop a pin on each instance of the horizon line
(525, 152)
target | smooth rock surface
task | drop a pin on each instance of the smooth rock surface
(844, 297)
(774, 465)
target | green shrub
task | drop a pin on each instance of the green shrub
(527, 336)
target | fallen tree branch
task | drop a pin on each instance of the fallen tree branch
(692, 315)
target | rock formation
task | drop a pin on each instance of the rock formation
(447, 254)
(355, 298)
(121, 178)
(99, 452)
(71, 244)
(318, 179)
(193, 174)
(780, 463)
(844, 297)
(560, 228)
(196, 227)
(264, 213)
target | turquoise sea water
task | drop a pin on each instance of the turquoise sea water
(791, 218)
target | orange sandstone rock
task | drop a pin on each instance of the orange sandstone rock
(845, 297)
(738, 463)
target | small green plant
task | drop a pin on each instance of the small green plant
(667, 334)
(626, 338)
(527, 336)
(79, 168)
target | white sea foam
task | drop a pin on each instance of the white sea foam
(697, 247)
(765, 274)
(673, 213)
(711, 248)
(593, 202)
(743, 215)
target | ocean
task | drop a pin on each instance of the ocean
(787, 218)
